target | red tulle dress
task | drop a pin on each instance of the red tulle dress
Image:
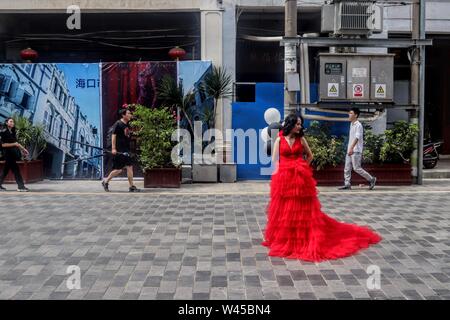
(296, 226)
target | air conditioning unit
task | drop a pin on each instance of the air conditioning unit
(352, 17)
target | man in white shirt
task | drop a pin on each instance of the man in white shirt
(353, 157)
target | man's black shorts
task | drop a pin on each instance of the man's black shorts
(121, 161)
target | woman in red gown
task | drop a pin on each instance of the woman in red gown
(296, 227)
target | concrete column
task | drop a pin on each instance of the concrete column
(229, 63)
(212, 49)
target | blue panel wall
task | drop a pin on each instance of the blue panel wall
(250, 115)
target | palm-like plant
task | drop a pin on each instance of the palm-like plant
(30, 136)
(171, 96)
(217, 85)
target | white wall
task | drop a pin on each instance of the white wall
(219, 22)
(398, 18)
(108, 5)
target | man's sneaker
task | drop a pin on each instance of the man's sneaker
(2, 189)
(134, 189)
(23, 189)
(345, 187)
(105, 186)
(372, 183)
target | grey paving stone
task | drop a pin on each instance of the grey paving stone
(169, 246)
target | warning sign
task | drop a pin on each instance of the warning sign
(358, 90)
(333, 90)
(380, 91)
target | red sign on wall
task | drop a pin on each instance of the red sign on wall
(358, 90)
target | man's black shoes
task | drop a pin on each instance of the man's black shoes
(345, 188)
(105, 186)
(372, 183)
(2, 189)
(134, 189)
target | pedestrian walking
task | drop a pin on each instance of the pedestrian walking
(353, 157)
(12, 151)
(120, 149)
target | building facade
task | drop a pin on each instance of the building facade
(222, 33)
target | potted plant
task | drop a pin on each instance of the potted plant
(172, 96)
(399, 142)
(327, 149)
(154, 128)
(386, 156)
(216, 85)
(329, 152)
(33, 139)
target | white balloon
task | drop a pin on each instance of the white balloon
(264, 134)
(272, 115)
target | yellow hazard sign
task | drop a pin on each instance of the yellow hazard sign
(380, 91)
(333, 90)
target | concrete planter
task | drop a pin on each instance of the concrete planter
(204, 169)
(387, 174)
(228, 172)
(32, 171)
(162, 178)
(204, 172)
(186, 174)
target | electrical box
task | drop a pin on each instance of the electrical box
(356, 77)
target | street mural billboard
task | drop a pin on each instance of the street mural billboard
(77, 103)
(130, 83)
(65, 100)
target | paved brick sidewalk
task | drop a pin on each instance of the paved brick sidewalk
(203, 242)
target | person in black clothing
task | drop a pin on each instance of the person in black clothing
(121, 138)
(12, 152)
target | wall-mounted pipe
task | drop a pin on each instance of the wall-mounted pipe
(376, 116)
(261, 39)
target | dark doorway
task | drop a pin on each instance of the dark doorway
(437, 90)
(262, 61)
(106, 37)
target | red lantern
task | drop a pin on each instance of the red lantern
(28, 55)
(177, 53)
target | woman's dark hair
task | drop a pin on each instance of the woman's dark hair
(290, 122)
(6, 123)
(123, 112)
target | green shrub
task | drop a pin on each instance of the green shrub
(372, 146)
(328, 150)
(394, 146)
(399, 142)
(154, 128)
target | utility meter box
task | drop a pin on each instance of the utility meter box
(356, 77)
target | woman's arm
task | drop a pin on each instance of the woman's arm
(308, 152)
(11, 145)
(275, 151)
(16, 145)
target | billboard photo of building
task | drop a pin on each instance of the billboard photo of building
(65, 99)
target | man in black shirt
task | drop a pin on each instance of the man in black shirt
(12, 152)
(121, 138)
